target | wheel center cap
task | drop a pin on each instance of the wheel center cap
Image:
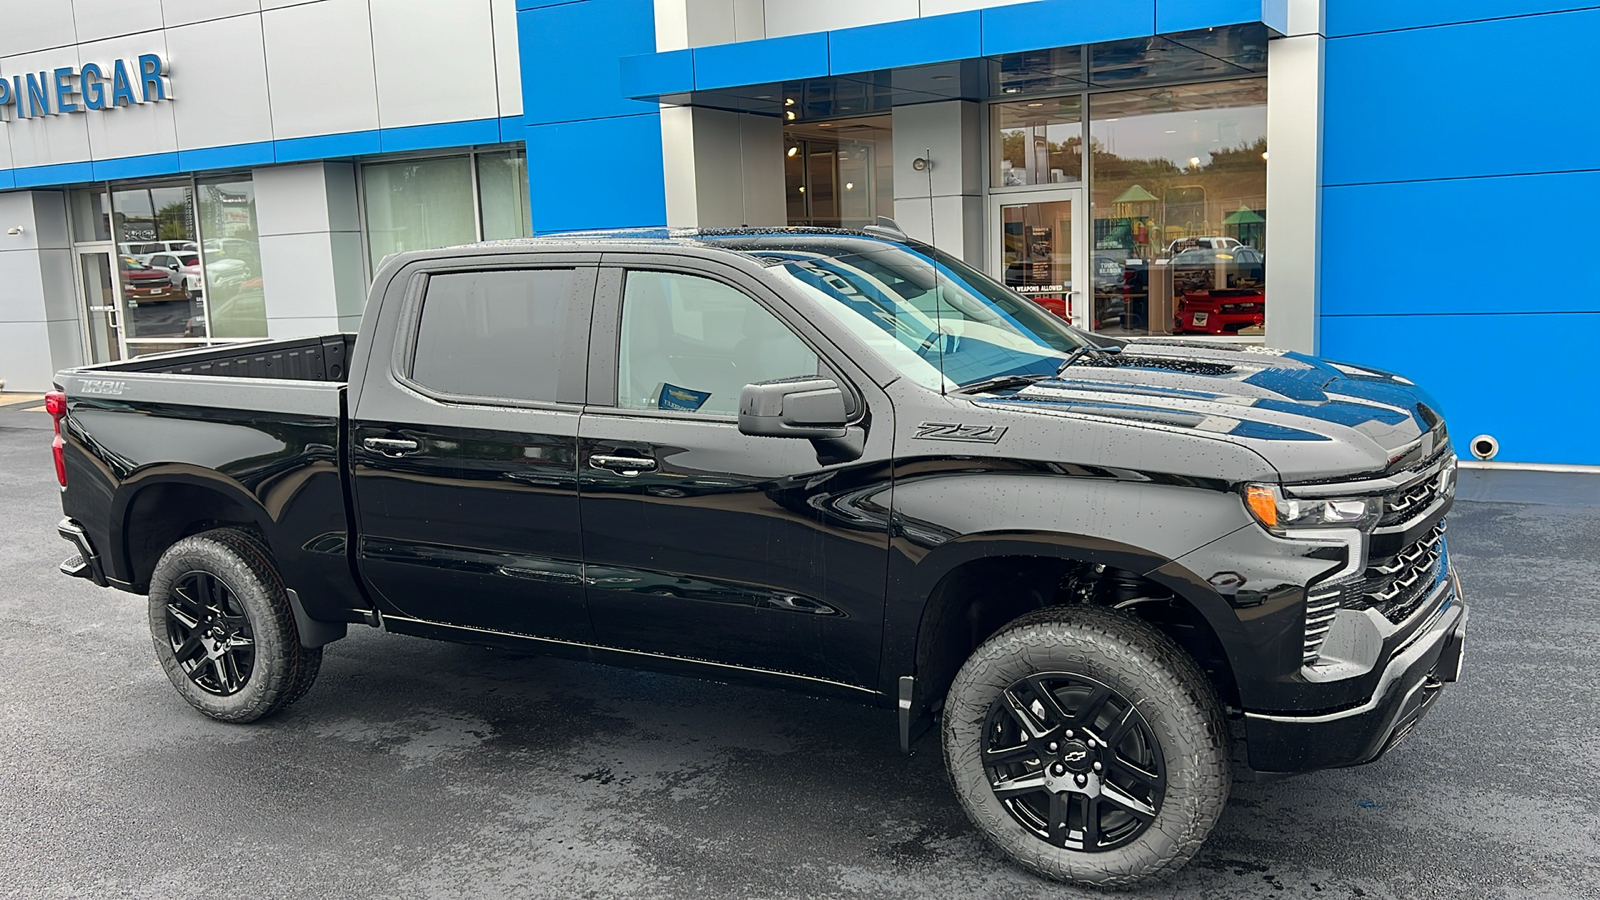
(1076, 757)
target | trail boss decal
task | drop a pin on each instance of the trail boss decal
(99, 386)
(944, 431)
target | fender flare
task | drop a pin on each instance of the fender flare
(130, 488)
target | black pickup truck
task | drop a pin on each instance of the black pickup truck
(836, 462)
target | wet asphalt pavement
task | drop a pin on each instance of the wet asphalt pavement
(421, 769)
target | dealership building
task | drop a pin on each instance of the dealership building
(1372, 181)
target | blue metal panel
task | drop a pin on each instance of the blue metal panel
(570, 58)
(1521, 378)
(233, 156)
(1062, 23)
(136, 166)
(1491, 98)
(1474, 227)
(1347, 17)
(910, 42)
(655, 74)
(328, 146)
(603, 173)
(448, 134)
(759, 62)
(50, 176)
(6, 179)
(1173, 16)
(511, 128)
(536, 4)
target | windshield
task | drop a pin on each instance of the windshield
(932, 317)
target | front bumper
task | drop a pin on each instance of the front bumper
(1411, 681)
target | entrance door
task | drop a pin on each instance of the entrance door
(101, 293)
(1039, 246)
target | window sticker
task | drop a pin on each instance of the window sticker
(680, 399)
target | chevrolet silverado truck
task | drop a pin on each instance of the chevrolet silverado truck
(839, 462)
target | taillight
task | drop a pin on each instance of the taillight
(55, 403)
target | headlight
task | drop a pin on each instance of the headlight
(1280, 514)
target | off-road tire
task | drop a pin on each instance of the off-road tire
(1157, 677)
(282, 670)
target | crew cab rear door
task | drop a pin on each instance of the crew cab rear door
(464, 443)
(701, 542)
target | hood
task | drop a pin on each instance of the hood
(1310, 418)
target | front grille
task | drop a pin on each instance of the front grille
(1396, 588)
(1321, 606)
(1402, 505)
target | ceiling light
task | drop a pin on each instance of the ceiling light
(792, 151)
(849, 185)
(1172, 131)
(789, 115)
(1263, 154)
(1034, 105)
(802, 189)
(788, 101)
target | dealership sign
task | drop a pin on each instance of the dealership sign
(91, 86)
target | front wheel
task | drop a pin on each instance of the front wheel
(1088, 747)
(223, 629)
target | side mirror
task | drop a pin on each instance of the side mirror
(805, 407)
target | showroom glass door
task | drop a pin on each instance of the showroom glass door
(101, 293)
(1037, 252)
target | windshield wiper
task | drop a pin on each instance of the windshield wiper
(999, 383)
(1079, 353)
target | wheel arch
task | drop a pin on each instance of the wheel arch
(969, 588)
(155, 508)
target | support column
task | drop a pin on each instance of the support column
(1294, 181)
(722, 169)
(312, 269)
(943, 205)
(39, 323)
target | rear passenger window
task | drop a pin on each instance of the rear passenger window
(495, 334)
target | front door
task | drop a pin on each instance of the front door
(463, 447)
(1038, 249)
(701, 542)
(101, 294)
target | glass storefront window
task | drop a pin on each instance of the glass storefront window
(229, 269)
(91, 217)
(1038, 142)
(1178, 177)
(155, 231)
(418, 204)
(839, 174)
(503, 195)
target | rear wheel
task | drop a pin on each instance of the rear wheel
(223, 629)
(1088, 747)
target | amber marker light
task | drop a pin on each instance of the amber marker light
(1263, 504)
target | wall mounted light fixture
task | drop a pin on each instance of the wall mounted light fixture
(15, 229)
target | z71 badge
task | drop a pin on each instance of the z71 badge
(945, 431)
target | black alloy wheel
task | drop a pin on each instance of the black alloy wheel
(1074, 762)
(210, 633)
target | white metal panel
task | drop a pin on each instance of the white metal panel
(319, 68)
(46, 140)
(790, 17)
(219, 72)
(435, 61)
(66, 343)
(29, 366)
(60, 287)
(5, 146)
(187, 12)
(349, 273)
(940, 7)
(23, 299)
(100, 19)
(291, 199)
(280, 4)
(135, 130)
(1294, 191)
(35, 25)
(297, 273)
(507, 56)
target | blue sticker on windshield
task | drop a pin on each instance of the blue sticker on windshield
(681, 399)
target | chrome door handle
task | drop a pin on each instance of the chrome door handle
(390, 446)
(624, 465)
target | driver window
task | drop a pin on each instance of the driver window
(690, 344)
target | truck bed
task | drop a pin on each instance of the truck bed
(319, 358)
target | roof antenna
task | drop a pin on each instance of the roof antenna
(925, 166)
